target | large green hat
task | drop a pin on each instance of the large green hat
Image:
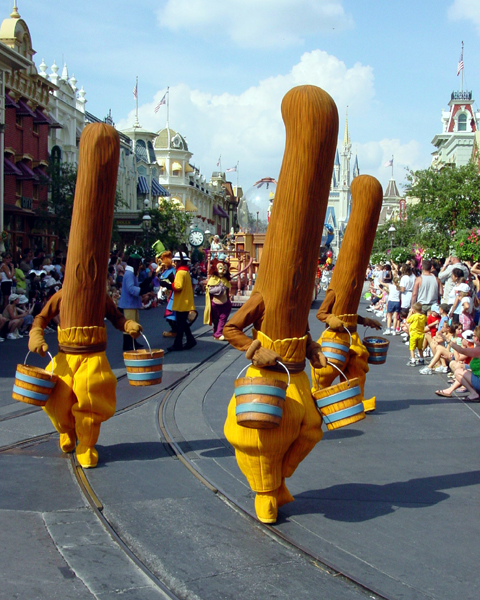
(158, 247)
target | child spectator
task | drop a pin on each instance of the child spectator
(393, 306)
(416, 327)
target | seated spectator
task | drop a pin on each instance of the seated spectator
(467, 375)
(446, 354)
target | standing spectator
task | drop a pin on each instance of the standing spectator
(393, 307)
(130, 299)
(407, 281)
(445, 276)
(6, 277)
(427, 287)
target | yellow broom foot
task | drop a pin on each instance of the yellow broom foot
(86, 456)
(68, 441)
(266, 506)
(369, 405)
(283, 495)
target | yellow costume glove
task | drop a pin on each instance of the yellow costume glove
(334, 323)
(133, 328)
(372, 323)
(315, 355)
(36, 341)
(261, 357)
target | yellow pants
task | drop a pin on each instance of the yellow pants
(266, 456)
(356, 364)
(84, 396)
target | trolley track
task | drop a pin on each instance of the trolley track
(176, 451)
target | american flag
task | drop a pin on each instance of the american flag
(219, 160)
(389, 163)
(135, 91)
(460, 62)
(162, 101)
(232, 169)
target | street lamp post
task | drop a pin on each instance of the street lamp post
(391, 231)
(146, 225)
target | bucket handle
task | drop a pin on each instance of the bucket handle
(325, 330)
(148, 344)
(51, 360)
(280, 363)
(335, 367)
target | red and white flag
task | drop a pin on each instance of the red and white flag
(460, 63)
(231, 169)
(389, 163)
(162, 101)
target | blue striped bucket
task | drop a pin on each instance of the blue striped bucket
(33, 385)
(377, 349)
(144, 367)
(335, 349)
(260, 401)
(340, 404)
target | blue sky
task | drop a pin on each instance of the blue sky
(228, 64)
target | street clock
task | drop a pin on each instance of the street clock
(196, 237)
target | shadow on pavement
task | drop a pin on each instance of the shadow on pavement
(357, 502)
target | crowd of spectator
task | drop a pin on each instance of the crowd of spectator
(435, 309)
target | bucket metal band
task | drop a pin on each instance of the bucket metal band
(145, 376)
(340, 357)
(351, 411)
(381, 358)
(148, 362)
(261, 390)
(377, 349)
(328, 344)
(338, 397)
(259, 407)
(35, 381)
(30, 394)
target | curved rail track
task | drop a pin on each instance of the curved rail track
(176, 451)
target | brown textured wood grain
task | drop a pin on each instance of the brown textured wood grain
(83, 302)
(349, 273)
(286, 273)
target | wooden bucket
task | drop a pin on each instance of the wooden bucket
(144, 367)
(335, 350)
(377, 349)
(33, 385)
(340, 404)
(260, 401)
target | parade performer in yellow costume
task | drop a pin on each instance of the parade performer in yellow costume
(279, 305)
(84, 396)
(340, 306)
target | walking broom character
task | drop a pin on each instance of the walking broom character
(280, 302)
(340, 306)
(84, 396)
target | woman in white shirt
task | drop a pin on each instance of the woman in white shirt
(393, 306)
(406, 284)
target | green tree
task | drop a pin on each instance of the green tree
(442, 203)
(169, 224)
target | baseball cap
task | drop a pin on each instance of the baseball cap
(22, 299)
(468, 335)
(435, 308)
(463, 287)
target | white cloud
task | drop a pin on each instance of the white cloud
(255, 23)
(248, 127)
(466, 9)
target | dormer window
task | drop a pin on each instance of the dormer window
(462, 122)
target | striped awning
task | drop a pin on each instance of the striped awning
(159, 190)
(142, 185)
(190, 206)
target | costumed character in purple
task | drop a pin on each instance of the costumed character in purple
(166, 272)
(218, 305)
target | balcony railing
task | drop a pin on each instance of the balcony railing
(461, 95)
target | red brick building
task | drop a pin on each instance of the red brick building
(25, 146)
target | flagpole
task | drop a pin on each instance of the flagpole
(462, 70)
(237, 174)
(136, 103)
(392, 166)
(168, 105)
